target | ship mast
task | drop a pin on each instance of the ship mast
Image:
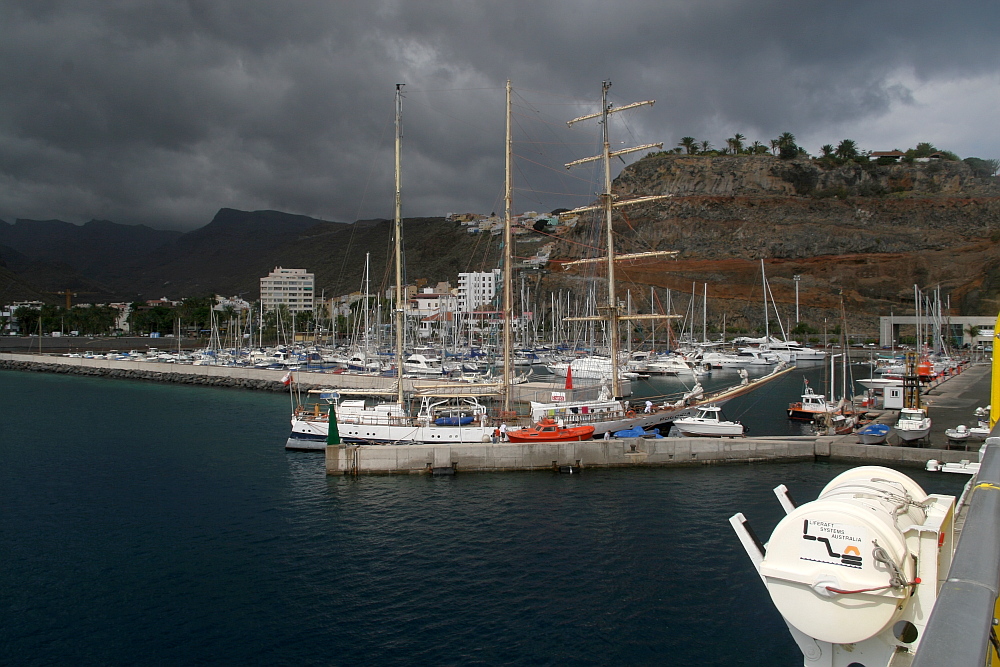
(507, 258)
(398, 234)
(612, 311)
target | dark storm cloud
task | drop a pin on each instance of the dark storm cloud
(163, 112)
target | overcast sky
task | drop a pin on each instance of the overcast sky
(162, 112)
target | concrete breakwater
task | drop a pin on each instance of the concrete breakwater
(619, 453)
(268, 379)
(156, 372)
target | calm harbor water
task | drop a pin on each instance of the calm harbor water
(159, 524)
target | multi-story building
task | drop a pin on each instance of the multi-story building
(293, 287)
(476, 289)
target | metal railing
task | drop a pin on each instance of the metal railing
(961, 628)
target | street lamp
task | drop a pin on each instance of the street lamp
(796, 278)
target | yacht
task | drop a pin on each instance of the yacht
(708, 422)
(670, 365)
(423, 364)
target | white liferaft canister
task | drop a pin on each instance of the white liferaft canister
(838, 568)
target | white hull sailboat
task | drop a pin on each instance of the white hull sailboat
(443, 421)
(454, 421)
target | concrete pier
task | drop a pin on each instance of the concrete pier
(619, 453)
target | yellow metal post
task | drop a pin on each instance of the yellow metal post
(995, 383)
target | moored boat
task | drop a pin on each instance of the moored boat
(638, 432)
(670, 365)
(874, 434)
(548, 430)
(450, 420)
(811, 406)
(708, 422)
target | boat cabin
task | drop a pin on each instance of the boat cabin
(709, 413)
(912, 415)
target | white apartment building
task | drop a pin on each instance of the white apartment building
(476, 289)
(293, 287)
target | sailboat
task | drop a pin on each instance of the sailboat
(609, 412)
(451, 418)
(786, 350)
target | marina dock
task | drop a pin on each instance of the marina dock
(951, 402)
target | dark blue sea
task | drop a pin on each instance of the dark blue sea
(148, 524)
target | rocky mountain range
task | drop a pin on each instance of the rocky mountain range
(862, 232)
(105, 261)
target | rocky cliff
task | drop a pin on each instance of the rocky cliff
(868, 232)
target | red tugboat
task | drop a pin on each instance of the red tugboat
(547, 430)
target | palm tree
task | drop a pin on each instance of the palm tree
(706, 146)
(27, 318)
(847, 149)
(757, 148)
(690, 144)
(738, 143)
(826, 150)
(786, 139)
(973, 332)
(775, 145)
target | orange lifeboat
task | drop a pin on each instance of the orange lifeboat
(548, 430)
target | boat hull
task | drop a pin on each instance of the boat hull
(801, 414)
(577, 436)
(311, 434)
(874, 436)
(912, 435)
(691, 429)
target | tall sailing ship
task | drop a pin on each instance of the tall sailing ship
(610, 411)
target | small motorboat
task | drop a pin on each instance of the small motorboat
(913, 424)
(962, 467)
(958, 434)
(980, 432)
(811, 406)
(637, 432)
(547, 430)
(874, 434)
(708, 423)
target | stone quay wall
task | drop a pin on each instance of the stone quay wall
(618, 453)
